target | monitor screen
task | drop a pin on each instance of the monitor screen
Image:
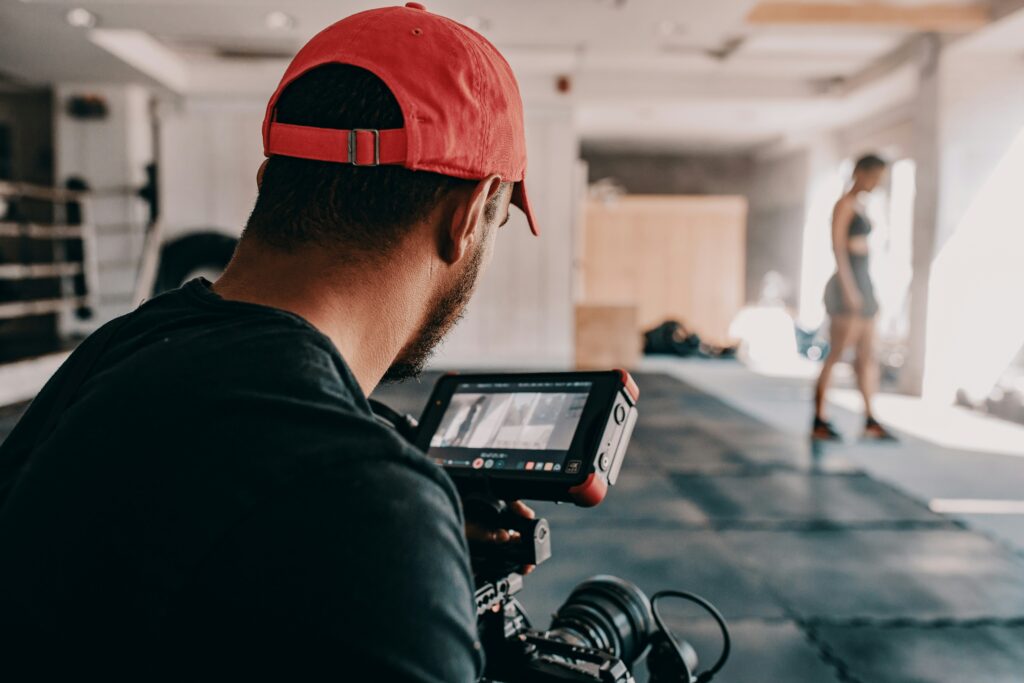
(510, 425)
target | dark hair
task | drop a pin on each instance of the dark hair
(367, 209)
(869, 162)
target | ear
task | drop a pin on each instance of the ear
(465, 224)
(259, 173)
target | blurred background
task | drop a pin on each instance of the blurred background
(684, 160)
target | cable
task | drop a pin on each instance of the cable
(710, 609)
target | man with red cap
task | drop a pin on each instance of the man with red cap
(202, 492)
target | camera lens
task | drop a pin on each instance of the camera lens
(605, 613)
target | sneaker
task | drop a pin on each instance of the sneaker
(873, 431)
(822, 430)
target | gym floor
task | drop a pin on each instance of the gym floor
(824, 572)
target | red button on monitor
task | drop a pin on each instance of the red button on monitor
(478, 463)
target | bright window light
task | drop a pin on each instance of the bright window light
(891, 211)
(975, 326)
(817, 261)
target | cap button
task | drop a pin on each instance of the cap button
(415, 5)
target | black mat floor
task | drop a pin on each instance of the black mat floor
(824, 573)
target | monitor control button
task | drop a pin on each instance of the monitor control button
(620, 414)
(602, 461)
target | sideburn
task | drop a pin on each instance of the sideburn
(446, 311)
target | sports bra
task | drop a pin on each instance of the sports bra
(859, 226)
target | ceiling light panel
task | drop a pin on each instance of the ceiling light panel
(79, 17)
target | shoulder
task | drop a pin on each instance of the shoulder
(383, 461)
(846, 203)
(355, 559)
(845, 208)
(225, 353)
(352, 497)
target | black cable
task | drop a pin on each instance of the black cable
(710, 609)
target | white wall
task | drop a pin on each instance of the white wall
(210, 149)
(777, 200)
(975, 325)
(824, 186)
(521, 315)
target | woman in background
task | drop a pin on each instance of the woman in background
(850, 300)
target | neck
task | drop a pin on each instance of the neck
(368, 312)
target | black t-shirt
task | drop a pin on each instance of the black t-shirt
(218, 503)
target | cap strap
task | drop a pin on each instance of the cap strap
(360, 146)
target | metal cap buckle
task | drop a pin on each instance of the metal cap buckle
(352, 146)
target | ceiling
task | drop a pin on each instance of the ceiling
(674, 72)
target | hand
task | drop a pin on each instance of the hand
(478, 532)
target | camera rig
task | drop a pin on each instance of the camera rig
(488, 431)
(516, 652)
(603, 628)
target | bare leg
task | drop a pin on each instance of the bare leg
(844, 331)
(865, 366)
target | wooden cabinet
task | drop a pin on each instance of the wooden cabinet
(606, 337)
(675, 257)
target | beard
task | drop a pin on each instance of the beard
(446, 310)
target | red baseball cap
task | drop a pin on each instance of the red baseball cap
(460, 102)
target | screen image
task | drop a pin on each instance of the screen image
(523, 425)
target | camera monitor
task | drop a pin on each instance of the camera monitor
(543, 436)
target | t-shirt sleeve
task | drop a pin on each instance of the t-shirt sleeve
(358, 573)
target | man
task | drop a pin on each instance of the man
(201, 492)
